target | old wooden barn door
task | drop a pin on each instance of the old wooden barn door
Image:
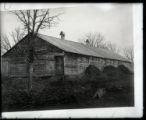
(59, 65)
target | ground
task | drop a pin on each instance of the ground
(113, 87)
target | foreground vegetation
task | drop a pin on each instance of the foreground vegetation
(113, 87)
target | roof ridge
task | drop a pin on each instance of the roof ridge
(71, 41)
(80, 43)
(60, 39)
(102, 51)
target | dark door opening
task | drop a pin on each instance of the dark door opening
(59, 65)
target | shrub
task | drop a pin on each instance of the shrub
(53, 95)
(21, 97)
(77, 90)
(5, 81)
(110, 70)
(15, 99)
(124, 69)
(6, 97)
(91, 69)
(92, 73)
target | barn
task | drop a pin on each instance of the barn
(57, 56)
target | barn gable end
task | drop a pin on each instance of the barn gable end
(14, 62)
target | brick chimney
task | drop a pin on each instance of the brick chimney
(62, 34)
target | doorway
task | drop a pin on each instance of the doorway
(59, 65)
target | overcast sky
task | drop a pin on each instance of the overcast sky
(113, 21)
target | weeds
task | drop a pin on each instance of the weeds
(80, 91)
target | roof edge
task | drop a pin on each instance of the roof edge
(14, 46)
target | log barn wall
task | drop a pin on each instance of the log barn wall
(14, 61)
(44, 64)
(75, 64)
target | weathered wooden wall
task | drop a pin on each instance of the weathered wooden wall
(44, 64)
(15, 65)
(4, 67)
(76, 64)
(14, 62)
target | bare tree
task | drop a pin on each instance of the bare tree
(14, 37)
(17, 35)
(5, 44)
(33, 21)
(129, 53)
(97, 40)
(112, 47)
(93, 39)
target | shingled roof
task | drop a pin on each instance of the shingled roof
(78, 48)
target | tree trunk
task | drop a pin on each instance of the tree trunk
(30, 76)
(30, 62)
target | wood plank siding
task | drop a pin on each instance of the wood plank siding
(44, 61)
(75, 64)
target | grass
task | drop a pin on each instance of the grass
(77, 92)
